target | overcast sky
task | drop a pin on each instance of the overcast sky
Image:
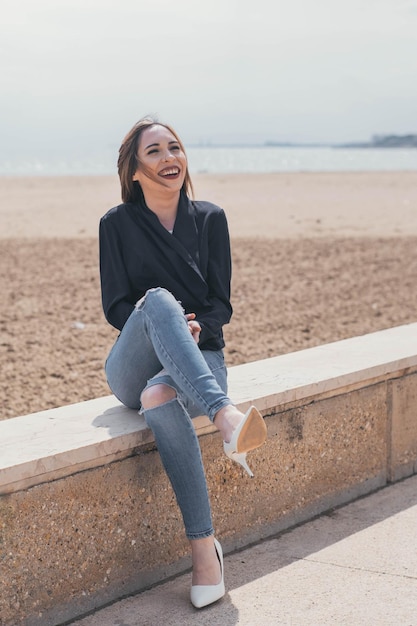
(76, 74)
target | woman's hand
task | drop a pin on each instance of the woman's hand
(194, 326)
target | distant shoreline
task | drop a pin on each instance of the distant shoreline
(378, 141)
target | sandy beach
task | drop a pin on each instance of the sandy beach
(317, 258)
(288, 205)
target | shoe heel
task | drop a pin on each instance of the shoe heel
(241, 459)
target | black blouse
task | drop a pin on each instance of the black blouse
(193, 263)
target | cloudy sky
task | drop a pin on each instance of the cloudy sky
(76, 74)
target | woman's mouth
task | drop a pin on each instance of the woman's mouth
(170, 172)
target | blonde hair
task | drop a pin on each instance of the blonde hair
(127, 162)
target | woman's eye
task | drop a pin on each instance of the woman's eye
(153, 151)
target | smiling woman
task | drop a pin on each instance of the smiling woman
(161, 162)
(143, 154)
(165, 269)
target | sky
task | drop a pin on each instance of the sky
(77, 74)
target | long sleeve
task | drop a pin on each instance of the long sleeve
(115, 285)
(218, 279)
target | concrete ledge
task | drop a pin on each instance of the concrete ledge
(87, 514)
(51, 444)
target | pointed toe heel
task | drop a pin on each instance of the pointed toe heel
(203, 595)
(249, 435)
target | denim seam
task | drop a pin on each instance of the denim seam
(202, 535)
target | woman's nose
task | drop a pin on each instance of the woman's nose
(168, 156)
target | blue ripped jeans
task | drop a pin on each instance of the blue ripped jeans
(156, 346)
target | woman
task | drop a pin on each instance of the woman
(165, 278)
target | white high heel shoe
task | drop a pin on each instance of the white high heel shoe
(202, 595)
(250, 434)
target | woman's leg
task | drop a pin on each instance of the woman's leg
(168, 413)
(172, 427)
(180, 454)
(156, 336)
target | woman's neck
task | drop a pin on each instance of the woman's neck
(165, 207)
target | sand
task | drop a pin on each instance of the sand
(262, 205)
(317, 258)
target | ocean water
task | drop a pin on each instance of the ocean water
(218, 160)
(296, 159)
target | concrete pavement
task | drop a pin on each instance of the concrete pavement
(354, 566)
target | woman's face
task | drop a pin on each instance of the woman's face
(162, 162)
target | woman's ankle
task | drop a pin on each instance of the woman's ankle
(206, 565)
(226, 421)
